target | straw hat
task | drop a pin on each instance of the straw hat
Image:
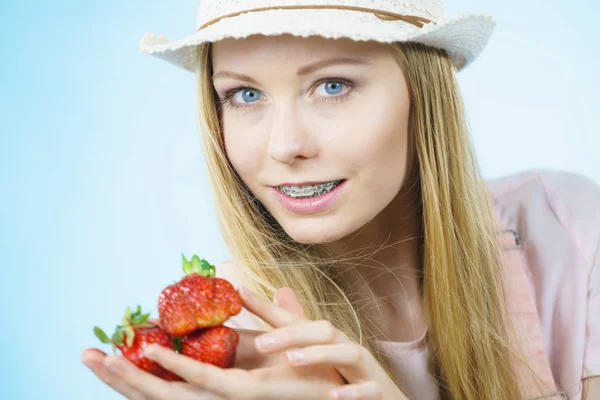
(423, 21)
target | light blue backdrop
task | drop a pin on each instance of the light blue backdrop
(102, 177)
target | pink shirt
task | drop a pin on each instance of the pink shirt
(554, 279)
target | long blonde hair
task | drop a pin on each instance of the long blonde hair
(462, 291)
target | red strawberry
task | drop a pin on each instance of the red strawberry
(133, 336)
(215, 345)
(198, 300)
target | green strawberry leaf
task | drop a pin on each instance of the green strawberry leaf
(207, 268)
(101, 335)
(204, 264)
(127, 318)
(196, 264)
(138, 311)
(140, 319)
(187, 266)
(130, 335)
(117, 337)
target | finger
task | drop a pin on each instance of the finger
(292, 389)
(94, 360)
(248, 357)
(354, 362)
(222, 382)
(368, 390)
(300, 335)
(336, 355)
(284, 381)
(286, 299)
(267, 311)
(144, 384)
(316, 374)
(122, 381)
(155, 321)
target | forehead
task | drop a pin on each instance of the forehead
(261, 49)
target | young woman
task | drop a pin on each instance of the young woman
(348, 192)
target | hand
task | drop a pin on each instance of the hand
(134, 383)
(321, 346)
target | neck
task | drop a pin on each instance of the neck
(381, 265)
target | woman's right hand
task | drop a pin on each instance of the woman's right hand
(247, 356)
(269, 366)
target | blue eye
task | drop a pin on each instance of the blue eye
(248, 95)
(335, 87)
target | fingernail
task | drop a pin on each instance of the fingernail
(267, 342)
(297, 357)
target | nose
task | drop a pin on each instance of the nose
(289, 139)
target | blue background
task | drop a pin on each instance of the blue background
(101, 169)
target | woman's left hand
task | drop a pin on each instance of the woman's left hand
(310, 344)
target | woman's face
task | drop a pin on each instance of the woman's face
(304, 112)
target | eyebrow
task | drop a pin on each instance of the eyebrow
(307, 69)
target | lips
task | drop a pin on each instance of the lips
(309, 204)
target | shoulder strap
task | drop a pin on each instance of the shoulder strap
(523, 310)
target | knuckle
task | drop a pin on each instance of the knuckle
(134, 381)
(328, 329)
(355, 353)
(107, 378)
(260, 374)
(250, 392)
(374, 390)
(198, 380)
(288, 336)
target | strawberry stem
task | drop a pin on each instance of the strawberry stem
(198, 265)
(177, 341)
(130, 320)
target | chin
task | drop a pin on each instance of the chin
(315, 233)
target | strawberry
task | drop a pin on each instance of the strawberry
(215, 345)
(199, 300)
(133, 336)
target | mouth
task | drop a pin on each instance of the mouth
(309, 190)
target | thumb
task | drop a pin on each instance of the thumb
(286, 298)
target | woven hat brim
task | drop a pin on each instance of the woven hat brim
(463, 37)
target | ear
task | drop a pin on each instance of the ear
(286, 298)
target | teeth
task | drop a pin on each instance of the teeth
(309, 190)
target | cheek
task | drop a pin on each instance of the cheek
(374, 140)
(244, 149)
